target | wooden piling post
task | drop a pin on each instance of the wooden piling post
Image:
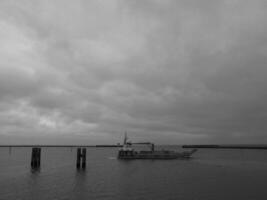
(81, 158)
(84, 158)
(39, 157)
(78, 162)
(36, 158)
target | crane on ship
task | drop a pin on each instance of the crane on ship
(152, 146)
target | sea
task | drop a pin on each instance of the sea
(212, 174)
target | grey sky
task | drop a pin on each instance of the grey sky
(83, 72)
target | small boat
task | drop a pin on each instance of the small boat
(127, 152)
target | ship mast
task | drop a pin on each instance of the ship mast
(125, 138)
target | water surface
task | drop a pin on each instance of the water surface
(211, 174)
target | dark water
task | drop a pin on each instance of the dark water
(211, 174)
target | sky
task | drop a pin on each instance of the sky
(165, 71)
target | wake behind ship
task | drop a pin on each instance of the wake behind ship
(127, 152)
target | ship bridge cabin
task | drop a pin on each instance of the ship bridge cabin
(127, 152)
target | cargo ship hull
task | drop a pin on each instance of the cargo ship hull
(128, 153)
(163, 155)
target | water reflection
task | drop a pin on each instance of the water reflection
(210, 175)
(34, 184)
(35, 170)
(80, 184)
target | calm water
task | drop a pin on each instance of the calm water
(211, 174)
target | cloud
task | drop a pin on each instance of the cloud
(170, 72)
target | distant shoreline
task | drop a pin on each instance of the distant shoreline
(264, 147)
(98, 146)
(209, 146)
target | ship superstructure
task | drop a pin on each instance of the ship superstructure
(127, 152)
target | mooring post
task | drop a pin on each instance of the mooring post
(84, 158)
(36, 158)
(39, 157)
(81, 158)
(78, 162)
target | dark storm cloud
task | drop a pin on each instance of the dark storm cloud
(167, 71)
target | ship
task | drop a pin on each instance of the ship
(127, 152)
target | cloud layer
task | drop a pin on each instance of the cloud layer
(175, 72)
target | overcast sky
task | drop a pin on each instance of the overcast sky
(178, 72)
